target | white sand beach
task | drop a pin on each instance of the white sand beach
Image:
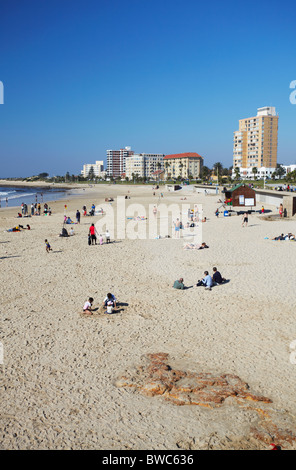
(60, 372)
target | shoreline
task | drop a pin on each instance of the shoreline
(38, 184)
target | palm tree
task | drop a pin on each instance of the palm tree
(181, 168)
(280, 170)
(218, 167)
(255, 171)
(237, 173)
(205, 173)
(167, 165)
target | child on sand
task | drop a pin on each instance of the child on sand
(110, 303)
(47, 246)
(87, 308)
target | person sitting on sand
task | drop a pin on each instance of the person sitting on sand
(110, 297)
(179, 284)
(291, 236)
(87, 308)
(217, 278)
(64, 233)
(110, 303)
(71, 231)
(207, 281)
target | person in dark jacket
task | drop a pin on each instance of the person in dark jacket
(217, 278)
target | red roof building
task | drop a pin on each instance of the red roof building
(183, 165)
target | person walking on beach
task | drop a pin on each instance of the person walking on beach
(245, 219)
(177, 228)
(47, 246)
(107, 236)
(92, 232)
(84, 210)
(78, 216)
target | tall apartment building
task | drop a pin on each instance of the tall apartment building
(98, 168)
(116, 161)
(255, 143)
(183, 165)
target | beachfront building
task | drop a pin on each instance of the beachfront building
(255, 142)
(289, 168)
(98, 169)
(135, 166)
(183, 165)
(153, 163)
(116, 161)
(143, 164)
(251, 173)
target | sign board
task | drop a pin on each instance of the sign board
(241, 200)
(249, 201)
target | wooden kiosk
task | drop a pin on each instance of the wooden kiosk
(240, 196)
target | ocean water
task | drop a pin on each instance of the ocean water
(14, 196)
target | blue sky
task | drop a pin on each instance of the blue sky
(81, 77)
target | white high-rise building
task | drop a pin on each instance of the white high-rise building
(98, 169)
(143, 164)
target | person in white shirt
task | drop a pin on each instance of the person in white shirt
(87, 308)
(110, 303)
(107, 236)
(207, 281)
